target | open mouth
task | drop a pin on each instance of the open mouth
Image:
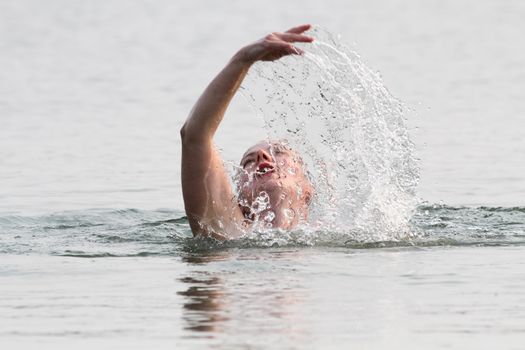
(264, 168)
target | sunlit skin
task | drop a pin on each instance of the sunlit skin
(211, 205)
(274, 169)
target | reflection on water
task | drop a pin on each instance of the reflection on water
(334, 298)
(204, 297)
(218, 300)
(204, 303)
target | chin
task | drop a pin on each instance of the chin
(273, 185)
(274, 188)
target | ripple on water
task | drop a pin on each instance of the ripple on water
(117, 233)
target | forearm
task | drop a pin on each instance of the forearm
(209, 110)
(209, 201)
(207, 114)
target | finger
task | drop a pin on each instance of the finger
(292, 37)
(282, 49)
(292, 50)
(299, 29)
(295, 50)
(280, 46)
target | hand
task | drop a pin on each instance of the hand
(275, 45)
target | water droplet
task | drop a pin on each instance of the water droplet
(269, 216)
(351, 135)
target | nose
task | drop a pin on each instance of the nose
(263, 156)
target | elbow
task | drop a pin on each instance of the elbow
(183, 132)
(186, 135)
(190, 136)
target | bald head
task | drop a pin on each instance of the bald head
(273, 169)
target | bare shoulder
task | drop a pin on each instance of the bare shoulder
(209, 200)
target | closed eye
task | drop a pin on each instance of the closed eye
(280, 150)
(245, 164)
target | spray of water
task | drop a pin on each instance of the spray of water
(350, 132)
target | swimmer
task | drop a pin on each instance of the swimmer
(269, 170)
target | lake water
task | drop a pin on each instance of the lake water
(94, 246)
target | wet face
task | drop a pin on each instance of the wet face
(274, 169)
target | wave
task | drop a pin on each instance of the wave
(138, 233)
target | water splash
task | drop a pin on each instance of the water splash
(132, 232)
(350, 131)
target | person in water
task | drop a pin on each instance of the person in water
(272, 185)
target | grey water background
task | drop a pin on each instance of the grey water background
(95, 250)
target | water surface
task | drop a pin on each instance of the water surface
(92, 95)
(108, 278)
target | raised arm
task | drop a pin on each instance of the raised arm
(210, 203)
